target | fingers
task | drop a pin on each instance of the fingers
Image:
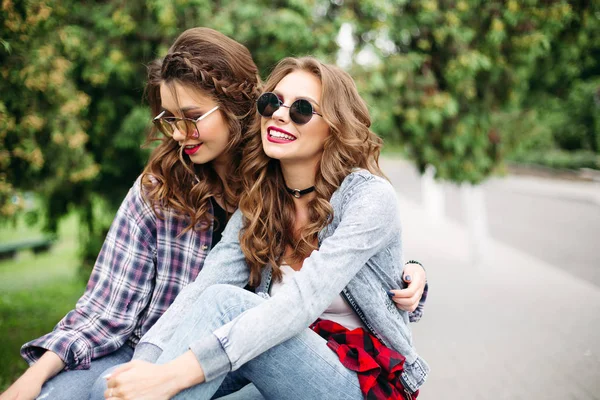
(109, 394)
(120, 370)
(413, 273)
(405, 301)
(113, 394)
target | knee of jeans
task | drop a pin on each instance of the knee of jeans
(100, 386)
(221, 293)
(222, 298)
(98, 389)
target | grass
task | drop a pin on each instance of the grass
(36, 291)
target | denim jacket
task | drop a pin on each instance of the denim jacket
(358, 255)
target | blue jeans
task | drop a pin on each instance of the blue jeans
(234, 387)
(302, 367)
(76, 385)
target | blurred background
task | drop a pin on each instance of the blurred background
(490, 111)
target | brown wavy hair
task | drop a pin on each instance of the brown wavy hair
(223, 69)
(267, 207)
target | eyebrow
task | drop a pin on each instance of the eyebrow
(299, 97)
(190, 108)
(183, 110)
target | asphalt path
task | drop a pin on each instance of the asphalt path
(557, 221)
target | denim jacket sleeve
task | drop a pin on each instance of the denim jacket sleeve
(368, 222)
(225, 264)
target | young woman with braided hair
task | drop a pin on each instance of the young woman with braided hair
(318, 234)
(203, 95)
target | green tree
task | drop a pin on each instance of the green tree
(566, 86)
(448, 69)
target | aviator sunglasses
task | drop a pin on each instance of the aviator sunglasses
(301, 111)
(187, 126)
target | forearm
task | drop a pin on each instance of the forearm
(185, 371)
(45, 368)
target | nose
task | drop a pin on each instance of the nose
(282, 114)
(178, 136)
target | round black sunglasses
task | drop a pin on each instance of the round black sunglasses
(301, 111)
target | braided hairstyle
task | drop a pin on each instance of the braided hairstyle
(223, 69)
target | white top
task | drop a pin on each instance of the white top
(338, 311)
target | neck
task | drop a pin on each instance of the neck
(220, 166)
(298, 176)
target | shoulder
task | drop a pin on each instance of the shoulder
(366, 197)
(135, 205)
(363, 185)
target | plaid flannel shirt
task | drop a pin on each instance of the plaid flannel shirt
(377, 367)
(143, 265)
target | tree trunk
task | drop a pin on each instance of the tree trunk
(476, 221)
(433, 194)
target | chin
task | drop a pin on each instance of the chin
(201, 159)
(280, 153)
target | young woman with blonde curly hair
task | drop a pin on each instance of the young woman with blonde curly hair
(318, 235)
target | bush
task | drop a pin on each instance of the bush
(581, 126)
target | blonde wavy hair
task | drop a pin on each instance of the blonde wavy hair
(267, 207)
(223, 69)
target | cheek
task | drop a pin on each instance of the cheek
(320, 134)
(221, 132)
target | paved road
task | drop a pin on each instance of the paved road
(555, 221)
(512, 326)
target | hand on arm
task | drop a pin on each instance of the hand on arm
(409, 299)
(144, 380)
(29, 385)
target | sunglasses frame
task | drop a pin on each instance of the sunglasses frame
(172, 121)
(290, 107)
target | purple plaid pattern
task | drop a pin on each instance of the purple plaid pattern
(143, 265)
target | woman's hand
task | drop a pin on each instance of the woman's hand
(144, 380)
(415, 277)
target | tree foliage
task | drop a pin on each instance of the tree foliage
(449, 68)
(459, 83)
(566, 86)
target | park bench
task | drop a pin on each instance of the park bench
(39, 245)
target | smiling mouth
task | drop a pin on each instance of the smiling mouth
(277, 135)
(191, 148)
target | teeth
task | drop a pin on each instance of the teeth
(280, 135)
(190, 146)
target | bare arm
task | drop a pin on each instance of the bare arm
(29, 385)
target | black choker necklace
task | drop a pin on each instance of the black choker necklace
(297, 192)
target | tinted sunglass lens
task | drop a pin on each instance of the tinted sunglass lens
(301, 111)
(164, 127)
(267, 104)
(185, 127)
